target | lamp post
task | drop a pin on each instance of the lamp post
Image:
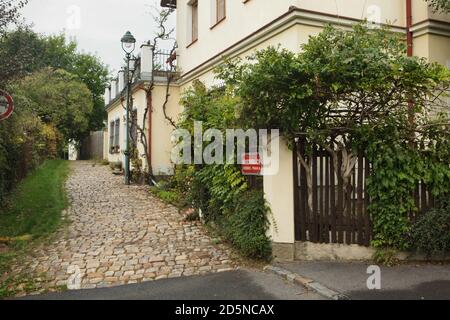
(128, 45)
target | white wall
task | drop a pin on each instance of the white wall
(244, 19)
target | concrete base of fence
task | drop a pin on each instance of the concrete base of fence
(283, 251)
(332, 251)
(308, 251)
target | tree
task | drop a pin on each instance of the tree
(56, 97)
(10, 13)
(23, 52)
(348, 91)
(439, 5)
(94, 74)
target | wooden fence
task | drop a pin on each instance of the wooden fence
(92, 146)
(338, 215)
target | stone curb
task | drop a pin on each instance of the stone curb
(308, 283)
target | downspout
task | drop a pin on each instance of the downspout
(410, 51)
(149, 134)
(409, 34)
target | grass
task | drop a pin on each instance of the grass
(32, 212)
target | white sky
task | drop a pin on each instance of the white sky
(97, 25)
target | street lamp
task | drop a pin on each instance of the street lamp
(128, 45)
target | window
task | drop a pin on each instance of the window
(221, 10)
(192, 21)
(218, 11)
(117, 135)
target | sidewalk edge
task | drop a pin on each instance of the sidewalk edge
(308, 283)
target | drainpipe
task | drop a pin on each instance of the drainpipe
(409, 34)
(149, 134)
(410, 51)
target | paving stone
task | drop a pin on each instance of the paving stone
(120, 234)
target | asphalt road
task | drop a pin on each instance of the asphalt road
(234, 285)
(403, 282)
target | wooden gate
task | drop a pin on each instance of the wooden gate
(338, 215)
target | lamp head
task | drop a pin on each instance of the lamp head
(128, 42)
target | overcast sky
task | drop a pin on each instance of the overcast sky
(97, 25)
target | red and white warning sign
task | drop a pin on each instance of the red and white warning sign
(251, 164)
(6, 105)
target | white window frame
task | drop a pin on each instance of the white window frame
(190, 21)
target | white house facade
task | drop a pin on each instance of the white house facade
(209, 30)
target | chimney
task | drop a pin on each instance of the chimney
(107, 96)
(146, 61)
(113, 89)
(121, 77)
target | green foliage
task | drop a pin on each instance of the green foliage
(399, 163)
(30, 209)
(396, 172)
(385, 256)
(23, 52)
(25, 141)
(363, 69)
(170, 196)
(221, 192)
(33, 209)
(247, 226)
(10, 13)
(58, 97)
(431, 233)
(355, 90)
(439, 5)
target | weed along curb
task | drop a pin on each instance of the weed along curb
(308, 283)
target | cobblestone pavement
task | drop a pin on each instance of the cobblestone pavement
(121, 235)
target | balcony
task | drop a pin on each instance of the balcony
(169, 4)
(164, 64)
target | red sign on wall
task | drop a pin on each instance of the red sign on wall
(251, 164)
(6, 105)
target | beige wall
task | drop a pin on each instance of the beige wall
(421, 11)
(116, 111)
(243, 19)
(161, 128)
(291, 37)
(436, 48)
(439, 47)
(279, 192)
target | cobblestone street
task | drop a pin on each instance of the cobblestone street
(121, 235)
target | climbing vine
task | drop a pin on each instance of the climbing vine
(350, 92)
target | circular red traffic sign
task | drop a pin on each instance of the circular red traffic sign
(6, 105)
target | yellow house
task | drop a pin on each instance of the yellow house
(147, 110)
(208, 30)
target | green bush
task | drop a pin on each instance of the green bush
(220, 191)
(247, 225)
(431, 233)
(168, 196)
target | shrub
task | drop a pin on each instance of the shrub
(247, 225)
(431, 233)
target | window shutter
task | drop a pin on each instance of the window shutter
(195, 21)
(111, 136)
(221, 10)
(448, 91)
(117, 134)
